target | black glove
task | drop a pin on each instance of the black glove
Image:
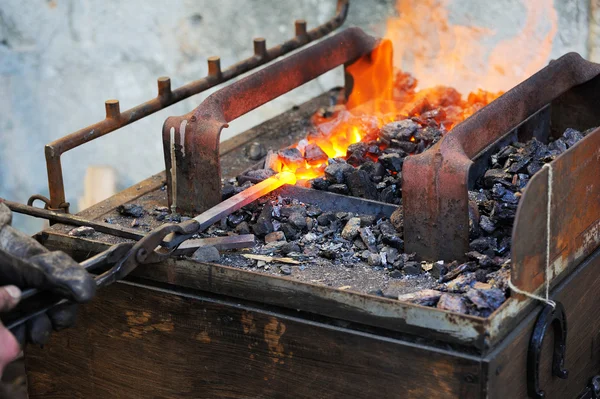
(27, 264)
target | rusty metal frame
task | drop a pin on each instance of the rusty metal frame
(192, 140)
(435, 183)
(115, 119)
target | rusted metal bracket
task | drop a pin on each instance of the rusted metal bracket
(557, 318)
(115, 119)
(191, 141)
(435, 183)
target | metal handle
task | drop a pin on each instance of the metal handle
(194, 175)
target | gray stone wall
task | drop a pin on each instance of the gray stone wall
(60, 59)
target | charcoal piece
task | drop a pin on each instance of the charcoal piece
(477, 196)
(395, 274)
(391, 254)
(298, 221)
(273, 161)
(373, 168)
(407, 146)
(411, 268)
(509, 197)
(291, 233)
(504, 153)
(486, 224)
(235, 219)
(292, 157)
(338, 189)
(359, 244)
(313, 154)
(285, 270)
(360, 185)
(571, 137)
(486, 298)
(290, 247)
(320, 183)
(260, 174)
(557, 147)
(482, 259)
(359, 149)
(275, 236)
(390, 236)
(256, 151)
(428, 135)
(336, 172)
(453, 303)
(368, 238)
(425, 297)
(313, 211)
(503, 211)
(343, 216)
(327, 254)
(367, 220)
(373, 149)
(518, 165)
(458, 270)
(523, 180)
(392, 162)
(389, 194)
(82, 231)
(400, 130)
(498, 191)
(393, 150)
(206, 254)
(355, 160)
(493, 176)
(351, 229)
(534, 167)
(227, 191)
(242, 228)
(381, 186)
(326, 218)
(264, 225)
(504, 245)
(438, 269)
(462, 282)
(397, 220)
(483, 244)
(132, 210)
(287, 211)
(374, 260)
(161, 217)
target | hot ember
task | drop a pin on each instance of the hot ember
(390, 111)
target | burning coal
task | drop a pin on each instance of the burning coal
(443, 58)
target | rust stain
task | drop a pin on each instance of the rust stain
(273, 333)
(203, 337)
(248, 324)
(139, 324)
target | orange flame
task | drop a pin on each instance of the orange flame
(443, 56)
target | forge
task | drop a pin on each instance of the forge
(394, 229)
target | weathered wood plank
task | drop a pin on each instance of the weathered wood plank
(134, 342)
(507, 365)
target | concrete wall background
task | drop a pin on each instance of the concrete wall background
(61, 59)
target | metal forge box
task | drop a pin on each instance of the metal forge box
(185, 328)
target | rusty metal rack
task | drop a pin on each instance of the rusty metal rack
(115, 119)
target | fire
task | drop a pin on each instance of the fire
(445, 57)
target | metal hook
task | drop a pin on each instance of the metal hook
(557, 318)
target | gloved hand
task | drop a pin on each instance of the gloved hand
(25, 263)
